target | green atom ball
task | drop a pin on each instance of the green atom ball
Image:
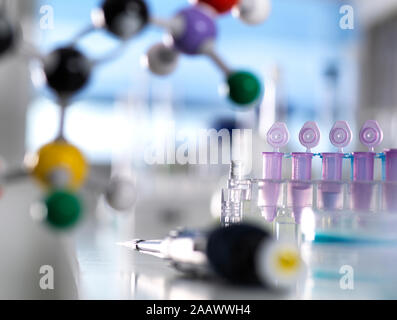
(63, 209)
(244, 87)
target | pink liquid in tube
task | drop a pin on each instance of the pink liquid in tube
(302, 165)
(391, 164)
(332, 166)
(269, 187)
(371, 135)
(330, 188)
(390, 185)
(363, 174)
(300, 189)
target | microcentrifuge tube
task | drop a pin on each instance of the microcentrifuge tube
(371, 135)
(300, 189)
(269, 188)
(330, 189)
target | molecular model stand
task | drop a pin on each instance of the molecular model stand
(59, 166)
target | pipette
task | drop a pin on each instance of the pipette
(301, 191)
(371, 135)
(277, 137)
(330, 195)
(241, 254)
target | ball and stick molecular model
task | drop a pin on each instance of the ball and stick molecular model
(59, 166)
(193, 31)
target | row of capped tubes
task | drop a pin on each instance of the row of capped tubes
(296, 194)
(328, 196)
(370, 135)
(362, 165)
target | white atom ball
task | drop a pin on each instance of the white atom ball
(252, 11)
(161, 59)
(121, 194)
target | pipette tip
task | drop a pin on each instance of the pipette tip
(132, 244)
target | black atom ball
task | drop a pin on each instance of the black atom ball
(67, 70)
(125, 18)
(7, 35)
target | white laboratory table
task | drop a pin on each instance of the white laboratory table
(88, 264)
(108, 271)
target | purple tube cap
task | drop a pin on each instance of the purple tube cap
(278, 135)
(340, 135)
(309, 136)
(371, 134)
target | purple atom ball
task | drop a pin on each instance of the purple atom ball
(199, 29)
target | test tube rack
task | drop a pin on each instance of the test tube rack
(272, 196)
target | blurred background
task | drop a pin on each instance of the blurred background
(312, 69)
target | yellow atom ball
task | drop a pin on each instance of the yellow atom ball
(60, 164)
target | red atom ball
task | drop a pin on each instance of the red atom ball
(222, 6)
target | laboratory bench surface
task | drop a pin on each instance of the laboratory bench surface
(88, 264)
(108, 271)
